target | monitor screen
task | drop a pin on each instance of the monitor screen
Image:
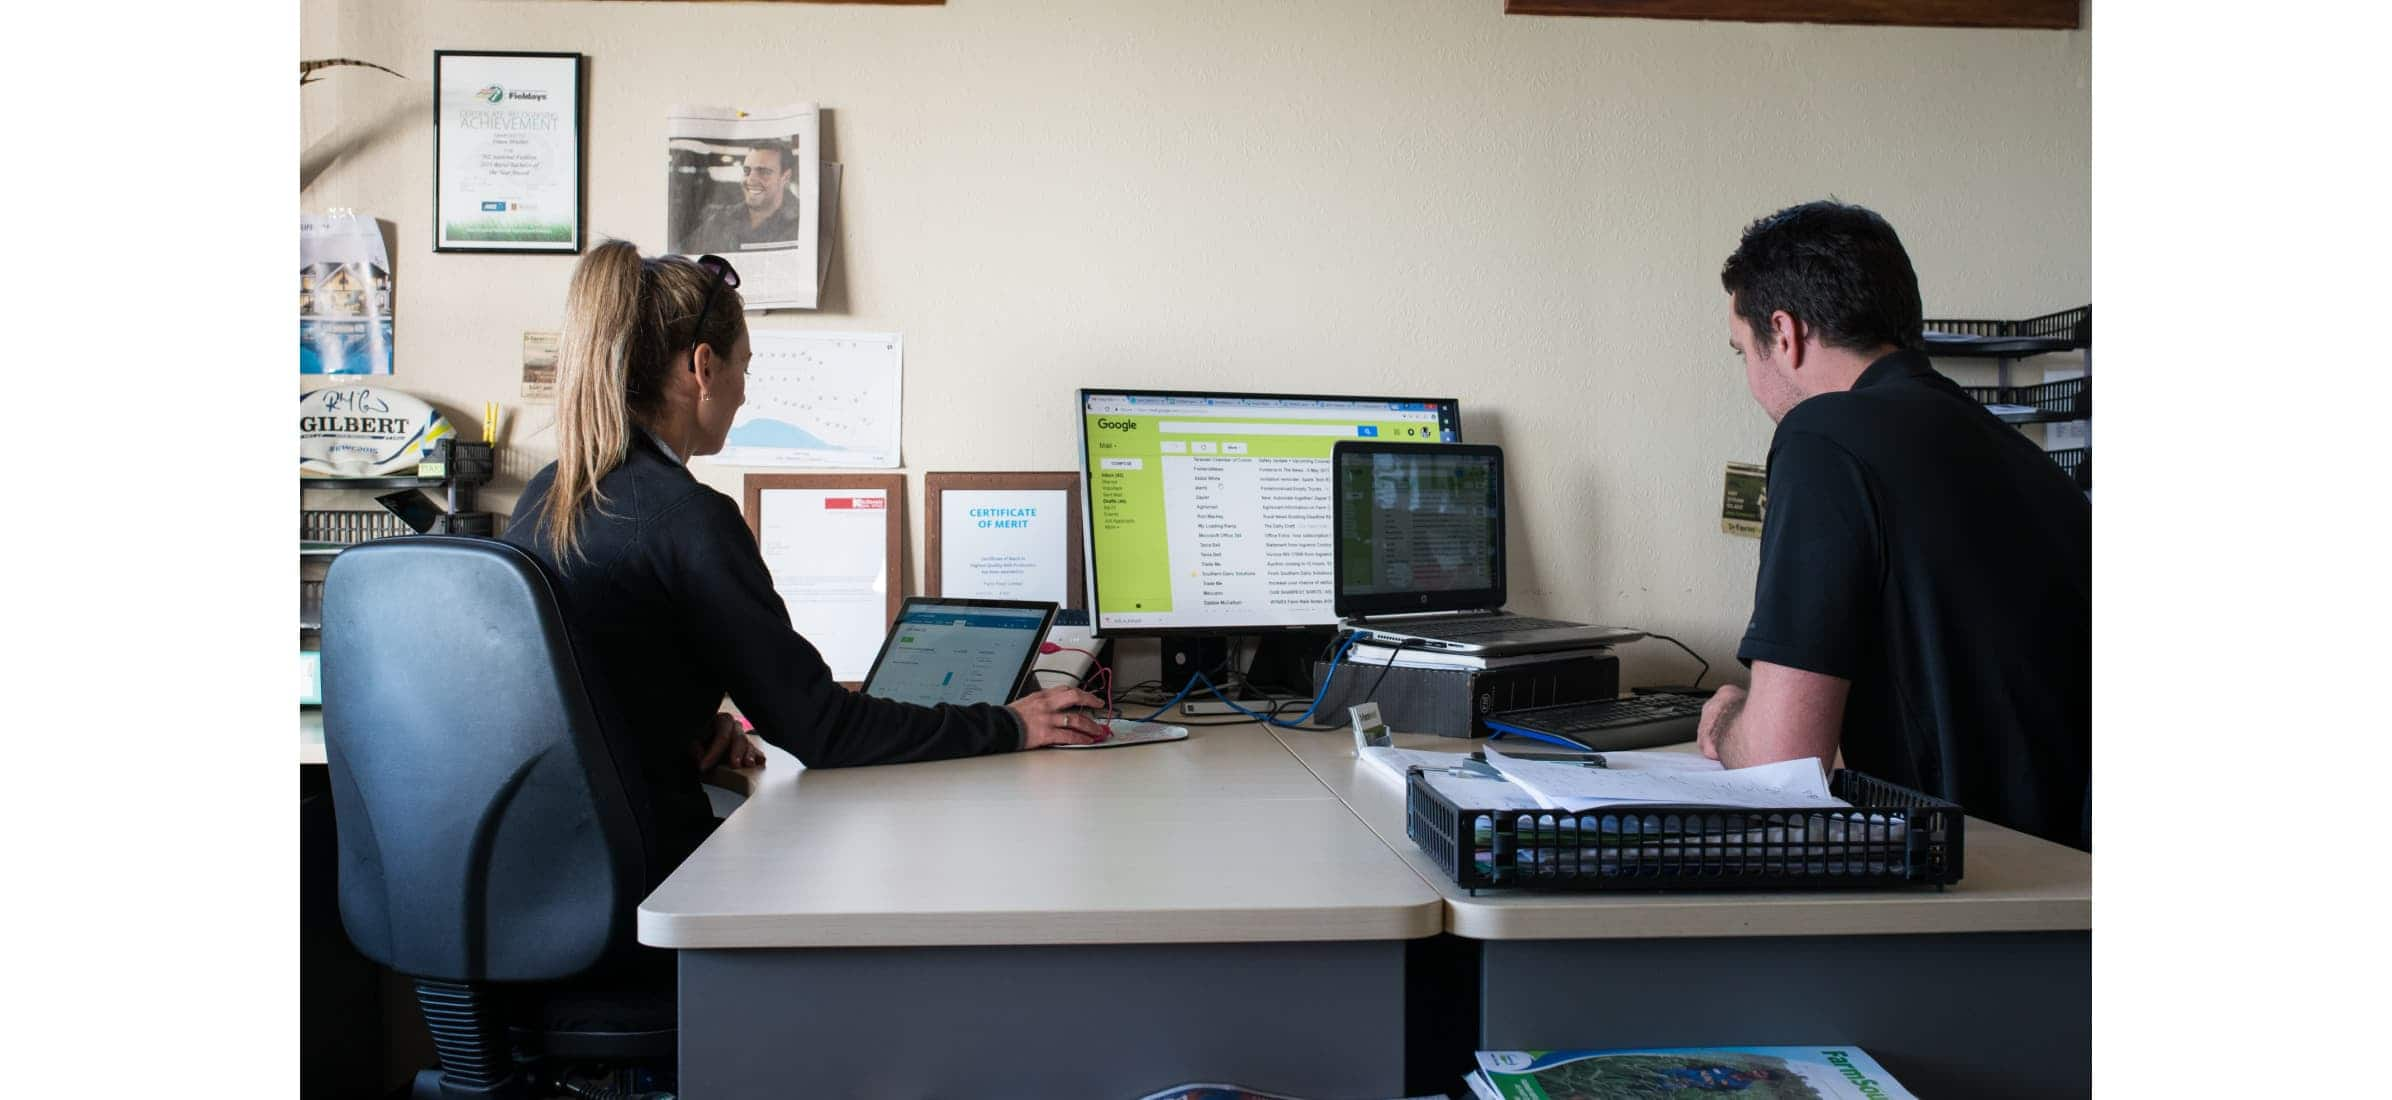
(958, 651)
(1420, 522)
(1211, 512)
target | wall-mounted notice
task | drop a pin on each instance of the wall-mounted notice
(828, 399)
(506, 150)
(539, 366)
(833, 543)
(1745, 500)
(747, 185)
(1012, 536)
(344, 296)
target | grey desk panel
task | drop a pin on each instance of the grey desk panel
(1973, 1015)
(1319, 1020)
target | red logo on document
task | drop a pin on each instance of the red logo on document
(868, 503)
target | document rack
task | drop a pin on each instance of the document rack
(1889, 836)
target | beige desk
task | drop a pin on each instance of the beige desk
(1089, 923)
(1951, 989)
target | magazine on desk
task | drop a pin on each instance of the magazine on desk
(1667, 1073)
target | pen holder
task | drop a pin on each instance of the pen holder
(460, 461)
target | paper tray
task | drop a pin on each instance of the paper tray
(1890, 836)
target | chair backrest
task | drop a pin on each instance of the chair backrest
(479, 790)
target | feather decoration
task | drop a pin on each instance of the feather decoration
(307, 69)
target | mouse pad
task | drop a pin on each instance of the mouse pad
(1126, 732)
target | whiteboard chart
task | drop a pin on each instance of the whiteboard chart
(824, 399)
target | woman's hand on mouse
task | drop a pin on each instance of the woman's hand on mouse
(1054, 717)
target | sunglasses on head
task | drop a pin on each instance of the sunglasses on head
(724, 276)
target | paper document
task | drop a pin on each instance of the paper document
(828, 553)
(1785, 784)
(1395, 762)
(828, 399)
(1660, 762)
(1470, 792)
(748, 185)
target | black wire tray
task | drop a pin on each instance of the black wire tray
(1889, 836)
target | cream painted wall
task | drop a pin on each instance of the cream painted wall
(1420, 196)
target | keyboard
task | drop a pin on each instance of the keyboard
(1492, 624)
(1637, 722)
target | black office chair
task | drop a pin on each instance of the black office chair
(492, 845)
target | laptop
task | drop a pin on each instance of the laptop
(1418, 553)
(960, 651)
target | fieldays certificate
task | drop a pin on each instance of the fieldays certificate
(509, 152)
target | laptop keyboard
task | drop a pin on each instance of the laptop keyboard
(1600, 715)
(1493, 624)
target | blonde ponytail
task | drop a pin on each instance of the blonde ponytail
(621, 315)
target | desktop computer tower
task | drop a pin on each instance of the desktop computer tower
(1455, 702)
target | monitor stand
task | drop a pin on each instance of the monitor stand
(1281, 663)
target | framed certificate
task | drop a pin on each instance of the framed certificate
(506, 151)
(835, 546)
(1013, 536)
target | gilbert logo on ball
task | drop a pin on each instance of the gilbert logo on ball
(365, 431)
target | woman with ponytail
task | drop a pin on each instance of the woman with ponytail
(660, 577)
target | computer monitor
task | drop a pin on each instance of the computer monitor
(1210, 513)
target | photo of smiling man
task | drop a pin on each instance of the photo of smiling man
(765, 212)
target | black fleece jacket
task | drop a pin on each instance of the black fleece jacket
(670, 599)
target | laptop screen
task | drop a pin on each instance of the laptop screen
(1418, 528)
(959, 651)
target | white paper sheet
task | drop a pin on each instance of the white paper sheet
(1393, 762)
(1470, 792)
(828, 553)
(1005, 544)
(708, 151)
(1787, 783)
(820, 399)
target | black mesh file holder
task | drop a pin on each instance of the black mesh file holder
(1889, 836)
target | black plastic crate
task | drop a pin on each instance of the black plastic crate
(2077, 463)
(348, 528)
(1890, 836)
(2072, 396)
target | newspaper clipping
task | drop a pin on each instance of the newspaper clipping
(539, 366)
(1745, 500)
(747, 186)
(344, 296)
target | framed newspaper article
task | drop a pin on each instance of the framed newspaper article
(835, 545)
(506, 151)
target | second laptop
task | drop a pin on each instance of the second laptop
(1419, 553)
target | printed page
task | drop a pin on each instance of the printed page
(821, 399)
(828, 552)
(1788, 783)
(1395, 762)
(747, 185)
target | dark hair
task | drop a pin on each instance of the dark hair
(1837, 268)
(787, 151)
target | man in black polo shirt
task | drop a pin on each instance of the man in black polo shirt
(1925, 591)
